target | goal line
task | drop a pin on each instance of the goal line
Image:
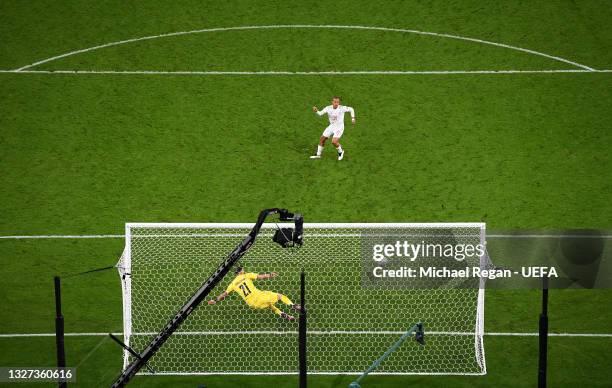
(490, 334)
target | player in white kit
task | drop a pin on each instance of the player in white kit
(335, 112)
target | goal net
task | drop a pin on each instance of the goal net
(353, 317)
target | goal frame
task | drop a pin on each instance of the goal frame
(478, 332)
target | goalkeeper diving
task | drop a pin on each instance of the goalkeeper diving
(257, 299)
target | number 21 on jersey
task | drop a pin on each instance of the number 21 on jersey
(245, 289)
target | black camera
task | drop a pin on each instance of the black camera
(290, 237)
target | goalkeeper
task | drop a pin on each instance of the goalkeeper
(243, 285)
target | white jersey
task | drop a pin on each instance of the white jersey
(336, 116)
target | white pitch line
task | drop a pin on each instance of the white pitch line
(346, 373)
(55, 236)
(94, 236)
(303, 26)
(546, 236)
(492, 334)
(299, 73)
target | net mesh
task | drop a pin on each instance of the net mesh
(350, 322)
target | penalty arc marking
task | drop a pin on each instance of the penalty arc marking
(304, 26)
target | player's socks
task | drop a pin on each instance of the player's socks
(340, 152)
(285, 300)
(318, 154)
(288, 317)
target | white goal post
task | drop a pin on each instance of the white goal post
(352, 317)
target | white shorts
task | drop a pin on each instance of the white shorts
(333, 131)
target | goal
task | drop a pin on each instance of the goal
(352, 317)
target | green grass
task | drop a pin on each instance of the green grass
(572, 362)
(85, 154)
(516, 151)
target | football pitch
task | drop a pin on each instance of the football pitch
(467, 111)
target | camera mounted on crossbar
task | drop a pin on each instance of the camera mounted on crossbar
(290, 237)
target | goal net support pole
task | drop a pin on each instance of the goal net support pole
(204, 290)
(417, 329)
(543, 336)
(302, 333)
(59, 329)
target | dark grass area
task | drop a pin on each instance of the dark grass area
(577, 31)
